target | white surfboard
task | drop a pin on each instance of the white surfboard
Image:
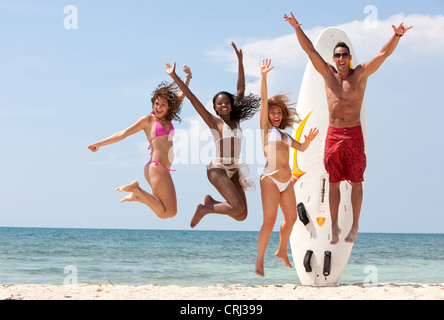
(317, 262)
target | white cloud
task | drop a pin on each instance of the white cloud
(426, 37)
(284, 48)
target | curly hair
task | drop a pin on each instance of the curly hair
(169, 92)
(289, 115)
(241, 108)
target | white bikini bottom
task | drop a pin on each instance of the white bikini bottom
(281, 185)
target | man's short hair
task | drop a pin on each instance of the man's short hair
(342, 45)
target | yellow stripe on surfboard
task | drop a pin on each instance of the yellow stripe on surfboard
(297, 172)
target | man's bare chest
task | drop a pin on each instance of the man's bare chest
(345, 88)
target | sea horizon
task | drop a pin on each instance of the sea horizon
(197, 230)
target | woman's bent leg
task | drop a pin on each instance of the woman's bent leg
(163, 199)
(235, 205)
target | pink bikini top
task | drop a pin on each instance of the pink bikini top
(161, 131)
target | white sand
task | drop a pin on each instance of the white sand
(386, 291)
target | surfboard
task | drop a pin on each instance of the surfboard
(316, 261)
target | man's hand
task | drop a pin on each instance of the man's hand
(401, 30)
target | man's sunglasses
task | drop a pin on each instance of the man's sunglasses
(344, 55)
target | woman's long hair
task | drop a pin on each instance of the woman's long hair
(241, 108)
(289, 115)
(169, 92)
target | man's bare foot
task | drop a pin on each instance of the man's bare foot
(198, 215)
(284, 258)
(335, 232)
(351, 237)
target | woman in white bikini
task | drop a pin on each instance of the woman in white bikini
(276, 181)
(159, 130)
(225, 172)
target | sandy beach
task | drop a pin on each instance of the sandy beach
(109, 291)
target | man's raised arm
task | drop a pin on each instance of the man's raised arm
(320, 65)
(372, 65)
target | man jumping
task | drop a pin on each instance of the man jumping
(344, 155)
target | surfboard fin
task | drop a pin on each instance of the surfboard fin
(302, 213)
(307, 259)
(327, 263)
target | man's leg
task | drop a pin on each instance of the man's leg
(335, 199)
(356, 199)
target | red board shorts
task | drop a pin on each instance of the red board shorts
(344, 154)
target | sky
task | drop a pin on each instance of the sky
(75, 72)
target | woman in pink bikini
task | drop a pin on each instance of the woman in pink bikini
(276, 181)
(225, 172)
(159, 130)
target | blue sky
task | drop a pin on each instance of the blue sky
(62, 89)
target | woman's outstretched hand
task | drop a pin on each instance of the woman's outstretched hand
(265, 66)
(312, 134)
(93, 147)
(170, 70)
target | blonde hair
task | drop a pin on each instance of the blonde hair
(289, 115)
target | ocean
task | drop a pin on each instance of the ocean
(197, 258)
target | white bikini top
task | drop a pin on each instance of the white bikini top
(276, 135)
(230, 150)
(227, 132)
